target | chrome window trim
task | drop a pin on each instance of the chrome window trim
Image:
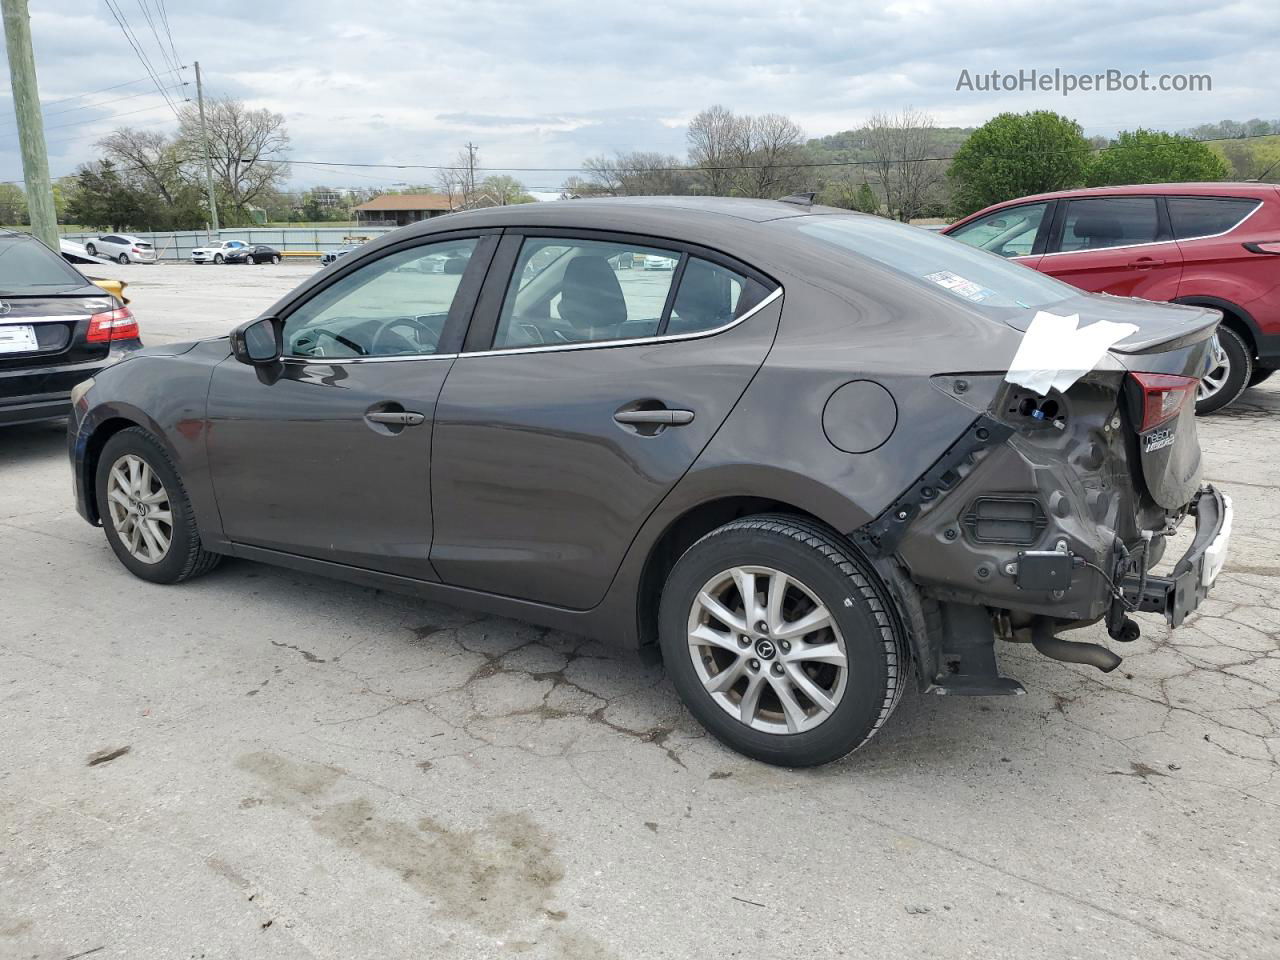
(634, 341)
(1257, 205)
(330, 361)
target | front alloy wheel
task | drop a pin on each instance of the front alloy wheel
(1230, 368)
(217, 258)
(138, 505)
(766, 649)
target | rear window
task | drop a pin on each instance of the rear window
(1205, 216)
(1095, 223)
(980, 279)
(26, 263)
(142, 245)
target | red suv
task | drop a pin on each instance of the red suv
(1209, 244)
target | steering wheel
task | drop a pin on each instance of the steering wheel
(413, 324)
(318, 351)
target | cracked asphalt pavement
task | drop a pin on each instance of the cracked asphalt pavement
(265, 764)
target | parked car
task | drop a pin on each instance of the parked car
(653, 262)
(799, 473)
(334, 255)
(217, 252)
(56, 329)
(258, 253)
(1208, 244)
(122, 248)
(76, 255)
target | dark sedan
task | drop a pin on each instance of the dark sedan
(818, 456)
(57, 328)
(258, 253)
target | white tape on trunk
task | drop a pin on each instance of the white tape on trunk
(1056, 351)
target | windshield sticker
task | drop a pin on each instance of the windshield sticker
(1056, 351)
(960, 286)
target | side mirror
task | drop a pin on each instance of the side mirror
(259, 342)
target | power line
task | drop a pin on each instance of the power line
(164, 18)
(103, 103)
(116, 86)
(155, 32)
(80, 123)
(123, 21)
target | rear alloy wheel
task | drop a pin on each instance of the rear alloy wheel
(1231, 366)
(123, 258)
(275, 259)
(780, 641)
(90, 249)
(145, 511)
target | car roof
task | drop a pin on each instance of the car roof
(1248, 189)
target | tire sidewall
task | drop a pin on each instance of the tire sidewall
(860, 709)
(1240, 370)
(141, 444)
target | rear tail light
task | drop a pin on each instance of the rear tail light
(1163, 397)
(1266, 246)
(135, 250)
(117, 324)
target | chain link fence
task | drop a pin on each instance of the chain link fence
(293, 241)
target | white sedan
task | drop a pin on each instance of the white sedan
(122, 248)
(216, 252)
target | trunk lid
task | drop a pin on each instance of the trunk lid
(59, 324)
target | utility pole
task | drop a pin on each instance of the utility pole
(471, 172)
(208, 164)
(26, 107)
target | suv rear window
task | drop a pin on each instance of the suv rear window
(1205, 216)
(26, 263)
(983, 280)
(1095, 223)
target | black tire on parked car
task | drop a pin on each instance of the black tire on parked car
(123, 258)
(217, 258)
(250, 259)
(90, 249)
(1231, 375)
(275, 258)
(1259, 375)
(840, 681)
(159, 495)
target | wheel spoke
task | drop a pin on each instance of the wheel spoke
(746, 581)
(160, 538)
(726, 678)
(721, 612)
(161, 516)
(704, 635)
(791, 708)
(119, 496)
(810, 689)
(816, 652)
(778, 584)
(815, 619)
(144, 481)
(751, 698)
(152, 544)
(135, 475)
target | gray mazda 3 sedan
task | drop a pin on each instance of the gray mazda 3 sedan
(796, 466)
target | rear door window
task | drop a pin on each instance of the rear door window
(1010, 232)
(1094, 223)
(1207, 216)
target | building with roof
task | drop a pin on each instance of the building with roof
(399, 209)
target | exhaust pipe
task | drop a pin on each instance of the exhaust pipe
(1069, 651)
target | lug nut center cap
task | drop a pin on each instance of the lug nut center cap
(765, 649)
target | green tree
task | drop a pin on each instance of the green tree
(1014, 154)
(103, 199)
(864, 201)
(13, 205)
(1152, 156)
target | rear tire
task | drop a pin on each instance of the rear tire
(1229, 377)
(122, 259)
(822, 580)
(137, 488)
(90, 249)
(217, 258)
(275, 259)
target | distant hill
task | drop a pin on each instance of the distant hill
(853, 145)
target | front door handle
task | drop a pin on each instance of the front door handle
(400, 418)
(1145, 263)
(662, 417)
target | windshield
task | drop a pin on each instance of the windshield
(26, 264)
(975, 277)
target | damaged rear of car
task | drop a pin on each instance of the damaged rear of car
(1050, 509)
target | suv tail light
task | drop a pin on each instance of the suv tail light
(1163, 396)
(1266, 246)
(117, 324)
(135, 250)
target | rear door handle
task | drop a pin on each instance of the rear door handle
(403, 418)
(664, 417)
(1145, 263)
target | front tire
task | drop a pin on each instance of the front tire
(217, 258)
(275, 259)
(90, 249)
(780, 640)
(145, 511)
(1232, 369)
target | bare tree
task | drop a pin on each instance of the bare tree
(715, 140)
(246, 148)
(768, 153)
(151, 158)
(458, 181)
(901, 146)
(603, 176)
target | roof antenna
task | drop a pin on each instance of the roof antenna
(800, 199)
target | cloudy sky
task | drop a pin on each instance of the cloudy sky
(545, 85)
